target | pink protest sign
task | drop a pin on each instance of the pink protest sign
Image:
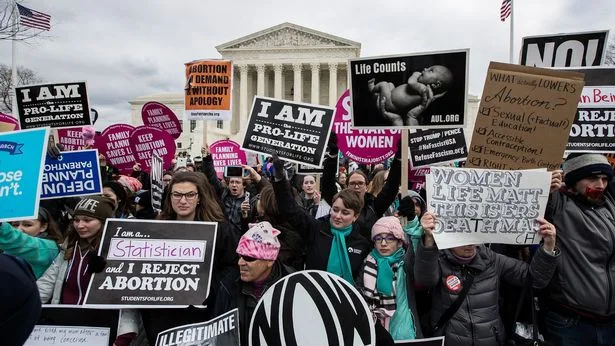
(362, 146)
(156, 114)
(8, 123)
(114, 144)
(71, 138)
(146, 141)
(226, 153)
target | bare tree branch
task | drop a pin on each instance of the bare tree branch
(609, 59)
(25, 76)
(11, 30)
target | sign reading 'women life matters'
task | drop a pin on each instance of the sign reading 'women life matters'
(222, 330)
(226, 153)
(475, 206)
(208, 90)
(362, 146)
(148, 266)
(56, 105)
(524, 118)
(297, 132)
(155, 114)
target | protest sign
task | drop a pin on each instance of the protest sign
(297, 132)
(146, 141)
(222, 330)
(72, 139)
(565, 50)
(475, 206)
(524, 117)
(74, 325)
(114, 144)
(359, 145)
(428, 147)
(437, 341)
(154, 263)
(418, 90)
(303, 169)
(311, 307)
(416, 178)
(155, 114)
(208, 90)
(226, 153)
(593, 129)
(22, 157)
(156, 182)
(75, 173)
(8, 123)
(57, 105)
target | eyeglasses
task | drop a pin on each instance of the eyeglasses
(248, 258)
(356, 183)
(190, 196)
(387, 238)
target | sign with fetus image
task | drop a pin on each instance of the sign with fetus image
(415, 90)
(154, 263)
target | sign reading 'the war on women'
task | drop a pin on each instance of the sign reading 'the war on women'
(475, 206)
(149, 266)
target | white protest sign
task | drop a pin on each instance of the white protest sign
(475, 206)
(44, 335)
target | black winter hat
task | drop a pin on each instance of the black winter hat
(581, 166)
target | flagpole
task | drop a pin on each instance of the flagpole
(14, 58)
(512, 31)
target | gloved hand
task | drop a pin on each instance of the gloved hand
(97, 263)
(406, 208)
(55, 151)
(279, 173)
(332, 148)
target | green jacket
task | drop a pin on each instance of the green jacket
(39, 252)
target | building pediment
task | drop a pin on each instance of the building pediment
(287, 35)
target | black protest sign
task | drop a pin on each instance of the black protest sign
(309, 305)
(74, 325)
(154, 263)
(303, 169)
(565, 50)
(222, 330)
(417, 90)
(156, 181)
(593, 129)
(58, 105)
(429, 147)
(437, 341)
(297, 132)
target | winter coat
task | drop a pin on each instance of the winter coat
(477, 322)
(38, 252)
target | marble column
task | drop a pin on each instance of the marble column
(277, 81)
(243, 94)
(297, 82)
(332, 84)
(260, 79)
(315, 96)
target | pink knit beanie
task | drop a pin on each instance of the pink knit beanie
(260, 242)
(389, 224)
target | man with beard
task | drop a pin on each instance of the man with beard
(580, 302)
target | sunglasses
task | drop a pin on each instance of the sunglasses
(387, 238)
(248, 258)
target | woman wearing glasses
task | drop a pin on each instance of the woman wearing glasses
(191, 198)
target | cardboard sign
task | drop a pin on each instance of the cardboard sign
(415, 90)
(157, 173)
(429, 147)
(74, 325)
(226, 153)
(146, 141)
(298, 132)
(208, 90)
(437, 341)
(362, 146)
(475, 206)
(71, 139)
(155, 114)
(58, 105)
(22, 157)
(565, 50)
(222, 330)
(524, 117)
(114, 144)
(311, 307)
(75, 173)
(593, 129)
(8, 123)
(149, 266)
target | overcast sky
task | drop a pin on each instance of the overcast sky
(125, 49)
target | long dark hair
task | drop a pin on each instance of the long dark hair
(53, 230)
(208, 207)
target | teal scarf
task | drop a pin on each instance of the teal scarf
(339, 263)
(384, 279)
(414, 231)
(402, 325)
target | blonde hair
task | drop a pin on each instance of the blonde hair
(377, 183)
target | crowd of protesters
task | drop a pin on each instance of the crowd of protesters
(350, 222)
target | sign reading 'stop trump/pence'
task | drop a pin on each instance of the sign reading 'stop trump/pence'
(208, 90)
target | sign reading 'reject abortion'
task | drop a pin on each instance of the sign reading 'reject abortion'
(148, 266)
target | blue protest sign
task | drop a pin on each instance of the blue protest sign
(22, 154)
(75, 173)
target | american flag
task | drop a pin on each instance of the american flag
(34, 19)
(506, 9)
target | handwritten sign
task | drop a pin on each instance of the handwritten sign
(155, 114)
(208, 90)
(222, 330)
(148, 266)
(429, 147)
(226, 153)
(68, 336)
(524, 118)
(475, 206)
